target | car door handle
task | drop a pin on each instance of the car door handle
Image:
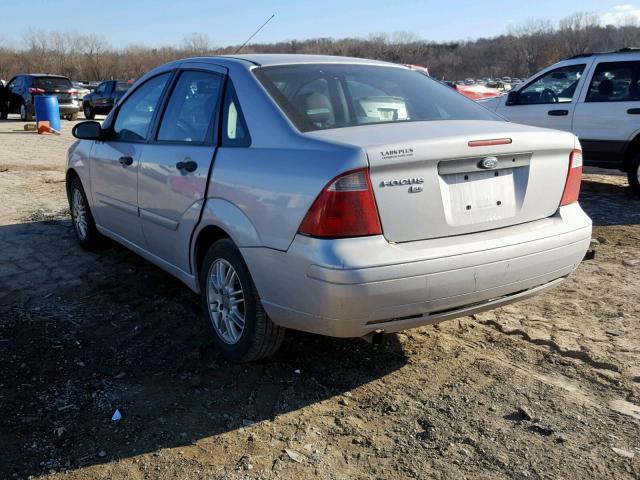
(634, 111)
(126, 161)
(558, 113)
(187, 165)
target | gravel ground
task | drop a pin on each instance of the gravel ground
(547, 388)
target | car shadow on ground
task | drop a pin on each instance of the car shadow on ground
(82, 334)
(610, 203)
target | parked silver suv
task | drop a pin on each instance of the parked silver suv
(337, 196)
(594, 95)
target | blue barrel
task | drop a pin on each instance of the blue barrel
(48, 110)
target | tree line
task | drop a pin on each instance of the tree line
(520, 52)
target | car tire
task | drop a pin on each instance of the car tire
(25, 114)
(240, 327)
(84, 225)
(633, 174)
(73, 117)
(4, 114)
(89, 113)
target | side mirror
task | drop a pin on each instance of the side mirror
(90, 130)
(513, 98)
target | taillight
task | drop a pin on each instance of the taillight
(345, 208)
(574, 177)
(73, 92)
(36, 91)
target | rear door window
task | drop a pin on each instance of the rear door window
(234, 127)
(614, 82)
(191, 108)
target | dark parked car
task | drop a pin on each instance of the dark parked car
(19, 94)
(103, 98)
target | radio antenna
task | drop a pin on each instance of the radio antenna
(254, 34)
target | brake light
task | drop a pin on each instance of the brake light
(574, 177)
(73, 92)
(345, 208)
(490, 142)
(36, 91)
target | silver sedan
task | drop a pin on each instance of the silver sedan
(338, 196)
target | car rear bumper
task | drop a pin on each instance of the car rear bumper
(352, 287)
(68, 109)
(65, 108)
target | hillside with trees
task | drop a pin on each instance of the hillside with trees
(521, 51)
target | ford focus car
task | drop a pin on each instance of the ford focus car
(338, 196)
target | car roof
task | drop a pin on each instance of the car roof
(46, 75)
(269, 59)
(622, 51)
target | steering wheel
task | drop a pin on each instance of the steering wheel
(188, 132)
(548, 96)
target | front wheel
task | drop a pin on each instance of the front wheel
(240, 327)
(89, 113)
(633, 174)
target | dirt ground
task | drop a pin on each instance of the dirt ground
(545, 389)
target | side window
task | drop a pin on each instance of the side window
(234, 127)
(556, 86)
(614, 82)
(134, 117)
(101, 88)
(12, 83)
(191, 108)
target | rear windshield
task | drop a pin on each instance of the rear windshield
(52, 83)
(323, 96)
(122, 87)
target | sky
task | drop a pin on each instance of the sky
(167, 22)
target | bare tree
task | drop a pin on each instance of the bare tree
(196, 44)
(577, 32)
(523, 50)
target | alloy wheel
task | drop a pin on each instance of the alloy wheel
(79, 214)
(225, 298)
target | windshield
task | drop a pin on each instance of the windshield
(323, 96)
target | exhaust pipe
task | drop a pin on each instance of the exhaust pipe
(591, 253)
(375, 338)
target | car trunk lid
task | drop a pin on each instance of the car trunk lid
(55, 86)
(429, 181)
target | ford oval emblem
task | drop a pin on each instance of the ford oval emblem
(489, 163)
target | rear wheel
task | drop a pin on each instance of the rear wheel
(241, 329)
(634, 174)
(72, 117)
(84, 225)
(89, 113)
(25, 114)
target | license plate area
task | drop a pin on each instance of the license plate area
(479, 196)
